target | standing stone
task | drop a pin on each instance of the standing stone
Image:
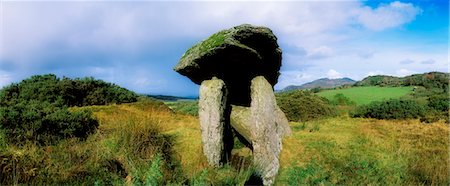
(212, 110)
(265, 138)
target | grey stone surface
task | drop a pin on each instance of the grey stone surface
(212, 105)
(265, 138)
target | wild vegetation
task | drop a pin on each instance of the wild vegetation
(149, 142)
(303, 105)
(36, 109)
(145, 143)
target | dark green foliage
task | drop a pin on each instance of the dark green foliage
(44, 122)
(391, 109)
(304, 105)
(36, 108)
(439, 102)
(340, 99)
(431, 80)
(72, 92)
(380, 80)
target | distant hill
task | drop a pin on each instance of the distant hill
(171, 98)
(428, 80)
(323, 83)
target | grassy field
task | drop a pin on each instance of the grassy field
(365, 95)
(145, 143)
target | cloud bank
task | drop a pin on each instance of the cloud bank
(136, 44)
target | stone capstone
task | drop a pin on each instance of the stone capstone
(236, 56)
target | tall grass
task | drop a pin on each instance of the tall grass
(366, 152)
(144, 143)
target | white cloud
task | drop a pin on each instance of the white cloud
(333, 74)
(406, 62)
(366, 54)
(404, 72)
(387, 16)
(293, 78)
(34, 32)
(320, 52)
(374, 73)
(428, 62)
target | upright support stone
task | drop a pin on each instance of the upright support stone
(265, 138)
(283, 128)
(212, 113)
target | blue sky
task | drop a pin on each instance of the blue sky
(136, 44)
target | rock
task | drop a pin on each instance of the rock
(241, 121)
(283, 128)
(237, 69)
(265, 138)
(212, 114)
(244, 51)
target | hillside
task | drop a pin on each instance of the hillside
(428, 80)
(322, 83)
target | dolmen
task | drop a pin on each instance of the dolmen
(236, 70)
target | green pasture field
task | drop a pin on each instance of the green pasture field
(365, 95)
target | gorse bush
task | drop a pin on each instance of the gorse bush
(439, 102)
(36, 109)
(72, 92)
(44, 122)
(304, 105)
(391, 109)
(340, 99)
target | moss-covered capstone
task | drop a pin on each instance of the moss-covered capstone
(235, 55)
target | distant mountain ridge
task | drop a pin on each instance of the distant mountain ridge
(322, 83)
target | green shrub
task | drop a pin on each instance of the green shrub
(391, 109)
(36, 108)
(71, 92)
(304, 105)
(340, 99)
(44, 122)
(185, 107)
(439, 102)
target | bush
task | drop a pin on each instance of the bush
(36, 108)
(391, 109)
(304, 105)
(44, 122)
(340, 99)
(439, 102)
(72, 92)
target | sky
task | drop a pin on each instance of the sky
(136, 44)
